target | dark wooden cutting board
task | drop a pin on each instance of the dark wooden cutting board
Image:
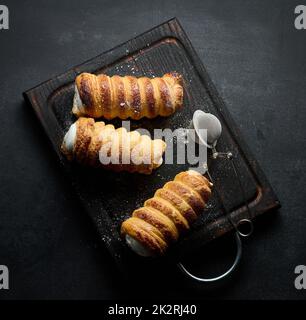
(111, 197)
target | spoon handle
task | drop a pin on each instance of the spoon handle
(229, 156)
(249, 221)
(227, 214)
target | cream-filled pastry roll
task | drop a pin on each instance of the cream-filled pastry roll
(100, 145)
(127, 97)
(152, 228)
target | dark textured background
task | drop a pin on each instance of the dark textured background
(257, 61)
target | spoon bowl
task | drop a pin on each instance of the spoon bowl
(207, 129)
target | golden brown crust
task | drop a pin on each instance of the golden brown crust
(127, 148)
(145, 233)
(128, 97)
(169, 211)
(179, 203)
(158, 220)
(172, 209)
(94, 146)
(186, 193)
(84, 131)
(194, 182)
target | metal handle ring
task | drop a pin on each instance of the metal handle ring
(222, 276)
(243, 221)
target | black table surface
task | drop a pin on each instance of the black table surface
(256, 59)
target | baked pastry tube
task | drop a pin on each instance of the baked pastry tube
(163, 218)
(91, 143)
(127, 97)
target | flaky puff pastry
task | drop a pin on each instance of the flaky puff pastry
(100, 145)
(127, 97)
(153, 227)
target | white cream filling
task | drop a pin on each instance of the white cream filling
(158, 160)
(70, 137)
(159, 147)
(78, 107)
(137, 247)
